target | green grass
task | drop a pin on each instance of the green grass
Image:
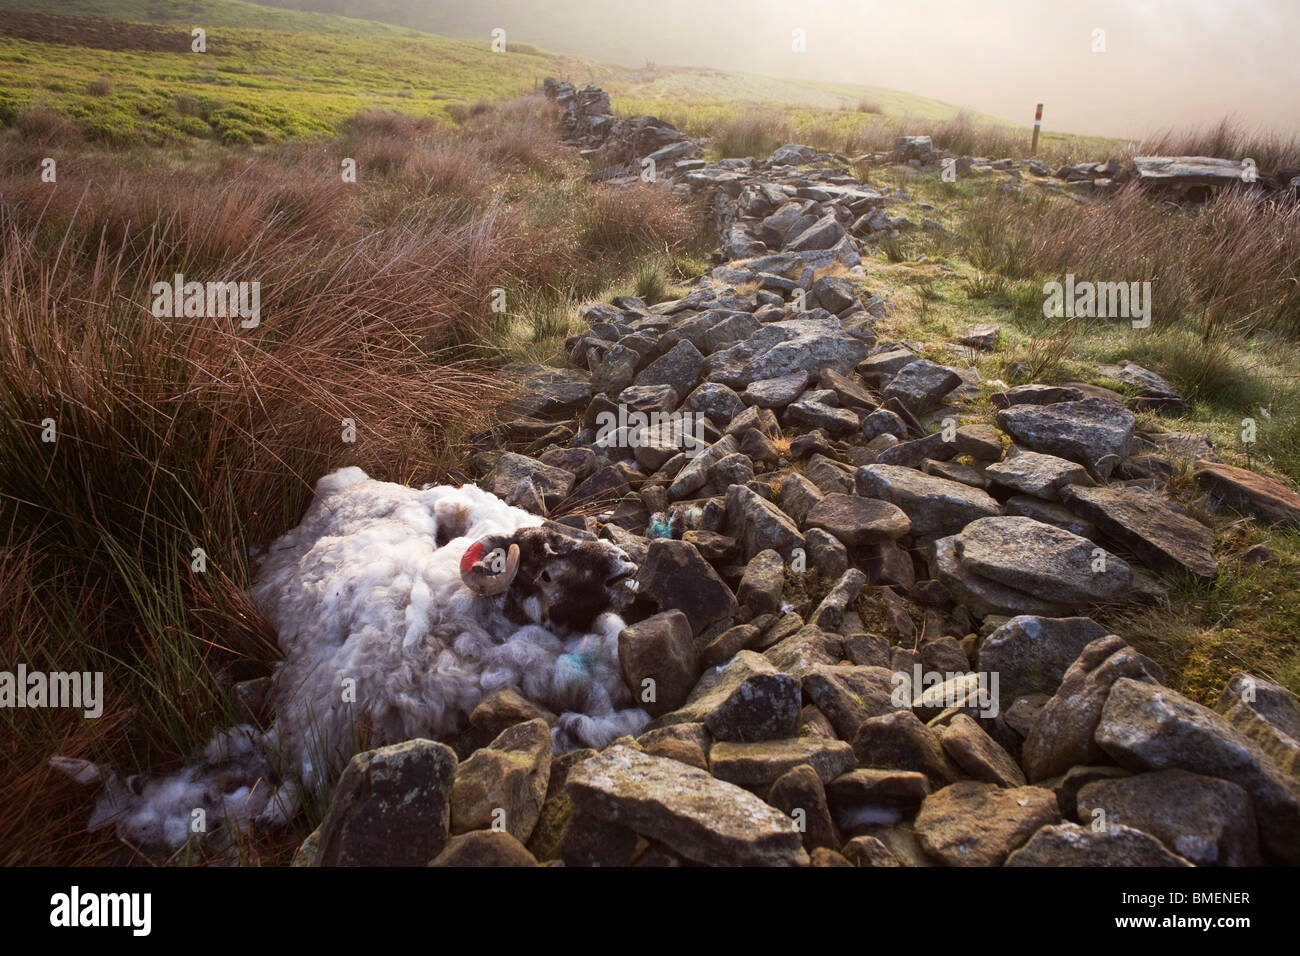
(254, 85)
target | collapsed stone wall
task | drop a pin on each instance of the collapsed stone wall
(862, 608)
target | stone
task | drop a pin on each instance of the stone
(1048, 562)
(1149, 727)
(391, 807)
(775, 392)
(934, 505)
(1050, 512)
(1086, 432)
(921, 385)
(849, 393)
(552, 483)
(981, 442)
(829, 614)
(1061, 735)
(1036, 395)
(869, 851)
(826, 553)
(821, 856)
(1155, 529)
(979, 754)
(484, 848)
(980, 824)
(1039, 475)
(762, 762)
(557, 808)
(981, 335)
(679, 368)
(661, 649)
(922, 452)
(822, 234)
(682, 751)
(807, 344)
(504, 783)
(692, 813)
(1032, 654)
(504, 708)
(858, 521)
(899, 741)
(828, 475)
(747, 699)
(1068, 844)
(762, 583)
(797, 496)
(678, 578)
(800, 795)
(850, 696)
(589, 841)
(1266, 713)
(1207, 821)
(760, 525)
(866, 796)
(982, 596)
(550, 392)
(1249, 493)
(833, 421)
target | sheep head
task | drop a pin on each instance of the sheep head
(550, 578)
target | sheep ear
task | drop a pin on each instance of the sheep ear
(481, 572)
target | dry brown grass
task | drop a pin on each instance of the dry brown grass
(1233, 264)
(1226, 139)
(177, 433)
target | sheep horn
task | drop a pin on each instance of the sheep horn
(477, 578)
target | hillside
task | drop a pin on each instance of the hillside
(294, 74)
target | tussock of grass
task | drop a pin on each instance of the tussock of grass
(180, 433)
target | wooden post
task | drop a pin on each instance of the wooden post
(1038, 123)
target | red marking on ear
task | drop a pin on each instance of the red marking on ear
(471, 557)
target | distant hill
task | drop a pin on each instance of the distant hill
(268, 75)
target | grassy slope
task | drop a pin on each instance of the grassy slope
(259, 85)
(1250, 618)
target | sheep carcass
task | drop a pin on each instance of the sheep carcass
(397, 612)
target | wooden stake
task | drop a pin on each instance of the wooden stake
(1038, 122)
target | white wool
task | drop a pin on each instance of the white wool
(382, 642)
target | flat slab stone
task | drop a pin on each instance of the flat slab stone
(1250, 493)
(1085, 432)
(1149, 727)
(762, 762)
(859, 521)
(1151, 526)
(1048, 562)
(1068, 844)
(1031, 654)
(979, 824)
(935, 505)
(1039, 475)
(981, 595)
(696, 815)
(1189, 170)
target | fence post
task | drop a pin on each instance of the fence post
(1038, 122)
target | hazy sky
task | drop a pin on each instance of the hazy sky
(1166, 62)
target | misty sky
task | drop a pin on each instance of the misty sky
(1167, 62)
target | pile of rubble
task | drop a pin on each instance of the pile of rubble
(862, 642)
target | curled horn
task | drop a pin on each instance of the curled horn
(479, 578)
